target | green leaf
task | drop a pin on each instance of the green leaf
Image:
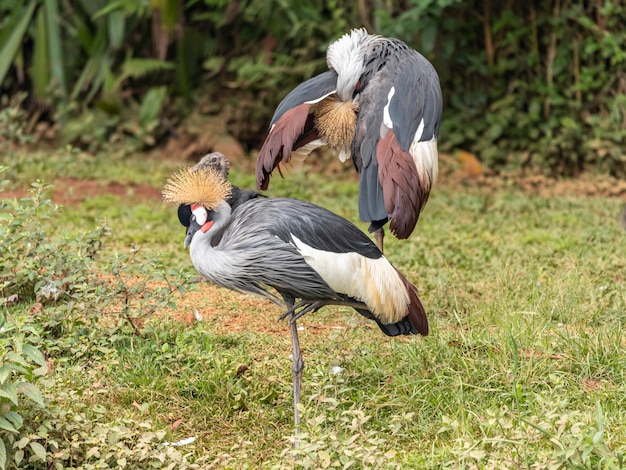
(17, 359)
(34, 354)
(39, 450)
(5, 373)
(152, 104)
(55, 46)
(4, 424)
(3, 455)
(15, 419)
(40, 72)
(31, 391)
(9, 390)
(138, 68)
(18, 456)
(117, 28)
(92, 7)
(111, 7)
(10, 46)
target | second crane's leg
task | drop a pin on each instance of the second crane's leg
(379, 235)
(297, 368)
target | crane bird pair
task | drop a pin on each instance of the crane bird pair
(293, 253)
(380, 102)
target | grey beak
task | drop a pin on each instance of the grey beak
(191, 230)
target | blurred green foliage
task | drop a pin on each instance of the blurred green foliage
(538, 83)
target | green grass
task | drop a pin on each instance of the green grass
(524, 366)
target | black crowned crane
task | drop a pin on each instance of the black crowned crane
(381, 103)
(294, 253)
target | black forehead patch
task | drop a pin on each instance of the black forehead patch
(184, 214)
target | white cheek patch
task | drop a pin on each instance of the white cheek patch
(200, 213)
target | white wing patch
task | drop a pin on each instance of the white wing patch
(420, 131)
(308, 148)
(374, 282)
(317, 100)
(425, 156)
(386, 118)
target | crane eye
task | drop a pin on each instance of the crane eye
(357, 89)
(200, 215)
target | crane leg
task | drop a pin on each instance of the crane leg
(297, 368)
(379, 235)
(297, 365)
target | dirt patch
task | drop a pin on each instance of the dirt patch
(465, 170)
(71, 191)
(459, 170)
(230, 312)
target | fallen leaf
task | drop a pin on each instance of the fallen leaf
(10, 300)
(176, 423)
(142, 408)
(36, 309)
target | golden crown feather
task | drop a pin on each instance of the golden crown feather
(202, 186)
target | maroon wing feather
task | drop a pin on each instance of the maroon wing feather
(403, 195)
(417, 314)
(288, 133)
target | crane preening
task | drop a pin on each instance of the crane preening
(296, 254)
(380, 102)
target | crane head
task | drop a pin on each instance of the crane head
(201, 219)
(346, 57)
(215, 160)
(201, 186)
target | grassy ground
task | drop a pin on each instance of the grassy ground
(524, 367)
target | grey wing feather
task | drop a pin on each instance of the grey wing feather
(371, 201)
(275, 265)
(417, 96)
(319, 228)
(261, 260)
(368, 132)
(310, 90)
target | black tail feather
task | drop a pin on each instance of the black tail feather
(403, 327)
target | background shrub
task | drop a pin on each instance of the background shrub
(525, 83)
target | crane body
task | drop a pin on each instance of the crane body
(380, 102)
(296, 254)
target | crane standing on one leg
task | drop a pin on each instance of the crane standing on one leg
(300, 250)
(381, 103)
